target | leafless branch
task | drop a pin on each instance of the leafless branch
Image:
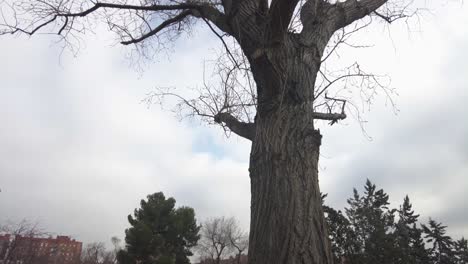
(162, 26)
(227, 96)
(69, 19)
(342, 37)
(347, 12)
(349, 86)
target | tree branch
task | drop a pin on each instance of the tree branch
(97, 6)
(227, 5)
(309, 12)
(245, 130)
(163, 25)
(215, 16)
(222, 41)
(281, 12)
(263, 6)
(204, 10)
(349, 11)
(314, 15)
(334, 117)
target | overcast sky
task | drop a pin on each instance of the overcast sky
(78, 149)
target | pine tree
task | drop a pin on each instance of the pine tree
(372, 221)
(441, 251)
(421, 254)
(159, 233)
(408, 238)
(368, 234)
(340, 233)
(461, 251)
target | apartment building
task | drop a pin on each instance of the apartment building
(38, 250)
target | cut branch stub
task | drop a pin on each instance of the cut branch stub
(243, 129)
(333, 117)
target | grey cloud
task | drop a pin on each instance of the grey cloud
(79, 150)
(421, 152)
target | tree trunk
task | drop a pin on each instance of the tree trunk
(287, 220)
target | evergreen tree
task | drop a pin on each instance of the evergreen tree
(368, 233)
(421, 254)
(408, 238)
(340, 233)
(372, 221)
(461, 251)
(441, 251)
(159, 233)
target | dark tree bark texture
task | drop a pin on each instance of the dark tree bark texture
(287, 222)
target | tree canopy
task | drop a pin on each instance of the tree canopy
(159, 233)
(256, 35)
(370, 232)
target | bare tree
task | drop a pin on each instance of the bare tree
(18, 244)
(220, 238)
(273, 87)
(96, 253)
(214, 243)
(238, 238)
(117, 247)
(116, 243)
(92, 253)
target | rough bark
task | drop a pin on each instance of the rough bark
(287, 221)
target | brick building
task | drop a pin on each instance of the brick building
(37, 250)
(4, 242)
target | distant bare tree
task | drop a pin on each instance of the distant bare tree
(214, 241)
(17, 248)
(116, 243)
(96, 253)
(117, 247)
(238, 238)
(221, 237)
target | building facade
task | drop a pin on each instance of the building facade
(4, 243)
(36, 250)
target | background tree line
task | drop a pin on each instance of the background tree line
(159, 233)
(369, 232)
